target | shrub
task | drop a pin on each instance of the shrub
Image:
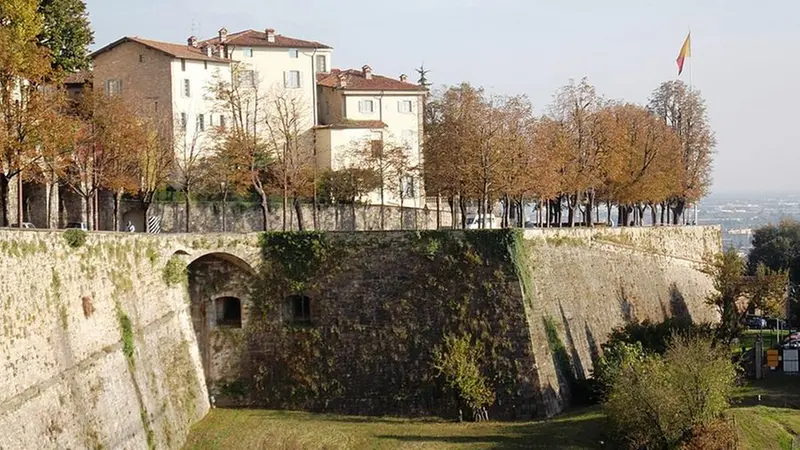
(75, 238)
(616, 355)
(655, 337)
(175, 272)
(662, 402)
(457, 360)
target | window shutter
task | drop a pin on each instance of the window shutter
(285, 79)
(299, 79)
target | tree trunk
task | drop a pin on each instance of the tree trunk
(145, 207)
(463, 208)
(653, 214)
(4, 196)
(298, 209)
(188, 208)
(608, 213)
(264, 214)
(451, 201)
(589, 208)
(117, 202)
(663, 209)
(438, 210)
(383, 208)
(86, 211)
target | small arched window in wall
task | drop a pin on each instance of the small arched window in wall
(297, 309)
(229, 312)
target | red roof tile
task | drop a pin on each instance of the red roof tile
(253, 38)
(356, 81)
(174, 50)
(78, 77)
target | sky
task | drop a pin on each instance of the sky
(745, 58)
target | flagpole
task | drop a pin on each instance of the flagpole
(691, 65)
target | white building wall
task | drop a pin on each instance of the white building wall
(271, 66)
(403, 128)
(200, 75)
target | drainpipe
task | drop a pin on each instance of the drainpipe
(314, 108)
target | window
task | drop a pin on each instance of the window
(298, 309)
(113, 87)
(321, 66)
(408, 138)
(404, 106)
(247, 79)
(183, 121)
(141, 58)
(248, 52)
(183, 65)
(222, 122)
(293, 53)
(229, 312)
(187, 88)
(365, 106)
(407, 186)
(291, 79)
(201, 122)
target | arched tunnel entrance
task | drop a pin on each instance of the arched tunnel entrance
(219, 290)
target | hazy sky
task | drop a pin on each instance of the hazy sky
(745, 58)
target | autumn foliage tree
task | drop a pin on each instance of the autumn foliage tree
(481, 150)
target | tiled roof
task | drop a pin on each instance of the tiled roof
(253, 38)
(356, 124)
(174, 50)
(356, 81)
(78, 77)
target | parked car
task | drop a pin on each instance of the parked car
(77, 225)
(485, 221)
(755, 322)
(24, 225)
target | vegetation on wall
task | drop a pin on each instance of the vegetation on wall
(175, 272)
(74, 237)
(358, 352)
(457, 361)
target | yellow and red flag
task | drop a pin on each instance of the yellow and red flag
(686, 51)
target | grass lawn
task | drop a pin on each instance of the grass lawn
(260, 429)
(769, 423)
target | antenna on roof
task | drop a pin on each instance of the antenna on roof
(195, 28)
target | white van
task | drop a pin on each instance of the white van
(483, 221)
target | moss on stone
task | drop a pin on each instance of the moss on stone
(175, 272)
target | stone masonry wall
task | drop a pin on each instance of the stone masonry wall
(72, 374)
(583, 283)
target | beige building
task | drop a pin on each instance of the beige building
(359, 110)
(338, 111)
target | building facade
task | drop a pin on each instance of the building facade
(364, 116)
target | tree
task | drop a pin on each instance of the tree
(291, 143)
(66, 33)
(155, 163)
(384, 158)
(684, 111)
(736, 294)
(778, 248)
(659, 403)
(241, 102)
(457, 360)
(23, 67)
(575, 107)
(189, 169)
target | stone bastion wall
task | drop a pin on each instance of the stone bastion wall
(99, 344)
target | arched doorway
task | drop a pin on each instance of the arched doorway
(219, 286)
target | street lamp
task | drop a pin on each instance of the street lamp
(224, 186)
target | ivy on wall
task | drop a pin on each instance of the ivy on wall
(380, 304)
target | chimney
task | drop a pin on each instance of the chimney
(209, 51)
(223, 34)
(403, 78)
(367, 71)
(192, 41)
(342, 80)
(270, 34)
